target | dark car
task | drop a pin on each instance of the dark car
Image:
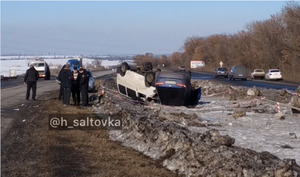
(221, 72)
(238, 72)
(181, 68)
(174, 88)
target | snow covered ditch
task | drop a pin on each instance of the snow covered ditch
(214, 138)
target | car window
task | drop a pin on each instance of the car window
(259, 70)
(274, 71)
(38, 64)
(239, 69)
(222, 69)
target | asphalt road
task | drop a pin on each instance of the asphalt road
(278, 85)
(13, 97)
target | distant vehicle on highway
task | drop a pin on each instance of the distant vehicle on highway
(221, 72)
(238, 72)
(273, 74)
(42, 67)
(181, 68)
(258, 73)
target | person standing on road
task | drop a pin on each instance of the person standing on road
(30, 78)
(75, 87)
(61, 89)
(84, 85)
(66, 79)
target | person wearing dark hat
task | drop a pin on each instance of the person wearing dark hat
(66, 79)
(75, 87)
(84, 85)
(30, 78)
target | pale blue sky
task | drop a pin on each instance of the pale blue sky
(136, 27)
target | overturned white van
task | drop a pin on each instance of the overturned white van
(136, 84)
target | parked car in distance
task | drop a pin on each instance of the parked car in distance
(258, 73)
(238, 72)
(221, 72)
(273, 74)
(181, 68)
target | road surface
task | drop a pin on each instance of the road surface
(278, 85)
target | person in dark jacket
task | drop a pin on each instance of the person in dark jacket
(61, 89)
(84, 85)
(75, 87)
(30, 78)
(66, 79)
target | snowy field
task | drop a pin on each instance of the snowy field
(19, 66)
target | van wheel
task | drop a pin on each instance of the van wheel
(149, 78)
(124, 67)
(148, 66)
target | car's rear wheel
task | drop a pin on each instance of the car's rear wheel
(124, 67)
(149, 79)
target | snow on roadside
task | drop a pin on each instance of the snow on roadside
(19, 66)
(256, 131)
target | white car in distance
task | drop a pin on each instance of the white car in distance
(273, 74)
(258, 73)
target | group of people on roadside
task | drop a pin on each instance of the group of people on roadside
(73, 83)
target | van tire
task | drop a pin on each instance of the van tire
(124, 67)
(148, 66)
(149, 79)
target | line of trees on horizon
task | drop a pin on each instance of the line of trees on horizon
(272, 43)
